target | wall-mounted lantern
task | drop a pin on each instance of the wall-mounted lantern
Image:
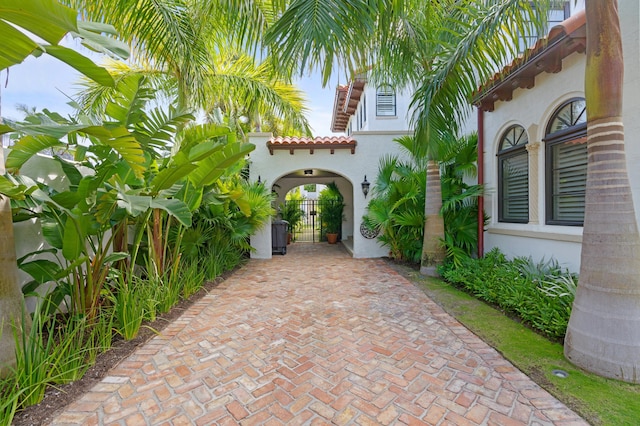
(365, 186)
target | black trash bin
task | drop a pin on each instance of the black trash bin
(279, 229)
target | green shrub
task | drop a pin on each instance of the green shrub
(70, 351)
(541, 294)
(129, 305)
(9, 396)
(192, 278)
(33, 350)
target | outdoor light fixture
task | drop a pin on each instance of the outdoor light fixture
(560, 373)
(308, 172)
(259, 180)
(365, 186)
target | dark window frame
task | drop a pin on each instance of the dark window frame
(576, 133)
(505, 154)
(364, 108)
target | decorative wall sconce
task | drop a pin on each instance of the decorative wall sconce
(365, 186)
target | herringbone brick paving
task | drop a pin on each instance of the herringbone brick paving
(316, 338)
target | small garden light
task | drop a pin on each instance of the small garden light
(560, 373)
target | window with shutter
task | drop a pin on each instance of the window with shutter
(385, 101)
(566, 164)
(513, 176)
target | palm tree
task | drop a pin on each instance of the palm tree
(397, 204)
(238, 92)
(165, 34)
(205, 55)
(603, 335)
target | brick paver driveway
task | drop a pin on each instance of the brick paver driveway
(316, 337)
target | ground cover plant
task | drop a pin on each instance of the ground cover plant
(539, 293)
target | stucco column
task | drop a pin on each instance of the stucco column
(533, 149)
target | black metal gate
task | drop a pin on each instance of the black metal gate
(310, 228)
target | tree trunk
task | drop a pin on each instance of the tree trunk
(157, 240)
(604, 330)
(433, 252)
(12, 306)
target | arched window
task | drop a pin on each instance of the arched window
(385, 101)
(513, 176)
(566, 164)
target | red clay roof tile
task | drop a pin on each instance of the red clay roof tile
(545, 56)
(292, 143)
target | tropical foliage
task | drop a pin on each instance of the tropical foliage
(193, 51)
(460, 199)
(397, 205)
(540, 293)
(331, 208)
(50, 21)
(291, 210)
(140, 179)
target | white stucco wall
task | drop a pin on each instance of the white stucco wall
(399, 122)
(532, 110)
(351, 168)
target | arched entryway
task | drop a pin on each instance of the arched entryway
(285, 163)
(311, 203)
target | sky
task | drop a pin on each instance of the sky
(45, 82)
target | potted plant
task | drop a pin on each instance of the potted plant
(331, 212)
(292, 213)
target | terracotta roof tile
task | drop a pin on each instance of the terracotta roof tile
(545, 56)
(292, 143)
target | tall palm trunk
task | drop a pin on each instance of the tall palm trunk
(433, 252)
(11, 299)
(604, 330)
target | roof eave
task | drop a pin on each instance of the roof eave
(546, 56)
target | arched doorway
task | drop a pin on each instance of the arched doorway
(295, 195)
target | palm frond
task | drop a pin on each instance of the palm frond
(239, 85)
(477, 41)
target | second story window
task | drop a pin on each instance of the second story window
(558, 12)
(385, 101)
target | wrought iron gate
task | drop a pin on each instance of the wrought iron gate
(310, 228)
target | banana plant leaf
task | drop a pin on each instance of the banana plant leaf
(51, 21)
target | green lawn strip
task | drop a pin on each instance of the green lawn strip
(599, 401)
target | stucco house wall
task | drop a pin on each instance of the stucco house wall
(374, 123)
(532, 109)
